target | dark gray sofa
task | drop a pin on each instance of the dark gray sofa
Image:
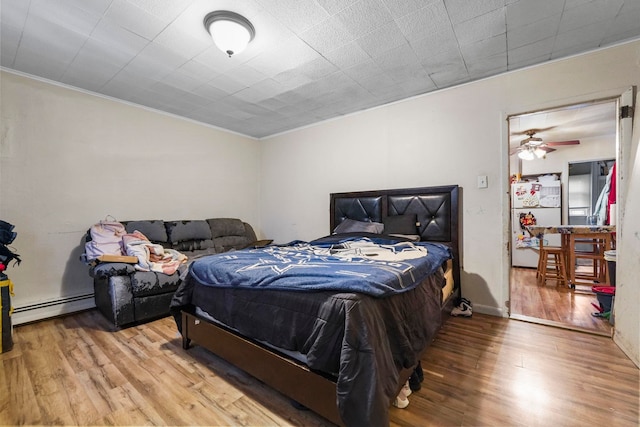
(126, 296)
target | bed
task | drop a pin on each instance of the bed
(342, 352)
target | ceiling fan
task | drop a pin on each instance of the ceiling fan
(532, 146)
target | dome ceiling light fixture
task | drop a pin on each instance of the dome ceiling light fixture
(230, 31)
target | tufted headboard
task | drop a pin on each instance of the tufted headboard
(436, 209)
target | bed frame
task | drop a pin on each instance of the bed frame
(437, 210)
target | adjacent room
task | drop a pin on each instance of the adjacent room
(322, 136)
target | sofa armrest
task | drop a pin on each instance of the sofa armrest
(109, 269)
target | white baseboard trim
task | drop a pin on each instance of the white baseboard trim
(52, 308)
(487, 309)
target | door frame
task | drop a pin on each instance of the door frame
(507, 220)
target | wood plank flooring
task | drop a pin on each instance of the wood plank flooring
(479, 371)
(554, 305)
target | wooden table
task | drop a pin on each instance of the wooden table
(571, 233)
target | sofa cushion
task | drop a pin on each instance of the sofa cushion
(227, 243)
(154, 230)
(182, 231)
(190, 246)
(221, 227)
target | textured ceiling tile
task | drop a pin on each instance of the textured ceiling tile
(291, 79)
(134, 19)
(163, 92)
(483, 27)
(117, 37)
(289, 54)
(93, 66)
(464, 10)
(402, 74)
(166, 10)
(362, 17)
(522, 55)
(580, 39)
(418, 85)
(71, 17)
(450, 77)
(9, 39)
(400, 8)
(317, 68)
(246, 75)
(431, 19)
(480, 67)
(197, 71)
(364, 69)
(335, 6)
(158, 54)
(130, 83)
(93, 6)
(210, 92)
(102, 55)
(347, 56)
(484, 48)
(328, 35)
(382, 39)
(181, 42)
(271, 103)
(181, 81)
(215, 60)
(269, 87)
(624, 27)
(589, 13)
(14, 13)
(61, 43)
(435, 44)
(295, 14)
(399, 57)
(91, 79)
(375, 83)
(34, 62)
(443, 61)
(226, 84)
(197, 100)
(525, 13)
(527, 34)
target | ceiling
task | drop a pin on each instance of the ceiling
(311, 60)
(597, 120)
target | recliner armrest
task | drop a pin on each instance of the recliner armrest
(109, 269)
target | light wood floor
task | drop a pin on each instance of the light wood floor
(554, 305)
(479, 371)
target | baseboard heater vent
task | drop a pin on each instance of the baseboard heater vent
(51, 308)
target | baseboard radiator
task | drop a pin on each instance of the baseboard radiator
(51, 308)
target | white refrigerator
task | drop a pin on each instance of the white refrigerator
(533, 203)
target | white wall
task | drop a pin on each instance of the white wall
(447, 137)
(69, 158)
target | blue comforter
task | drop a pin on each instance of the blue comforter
(374, 266)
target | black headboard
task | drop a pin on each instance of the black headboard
(436, 209)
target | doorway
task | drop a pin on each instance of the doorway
(543, 147)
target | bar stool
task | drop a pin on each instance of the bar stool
(551, 265)
(592, 251)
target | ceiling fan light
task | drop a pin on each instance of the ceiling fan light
(526, 155)
(539, 152)
(230, 32)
